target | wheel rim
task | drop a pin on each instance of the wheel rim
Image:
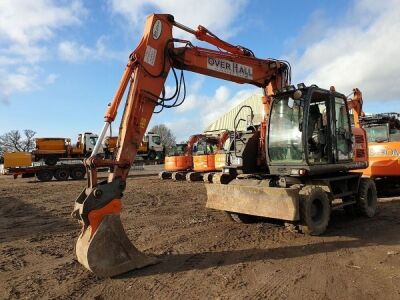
(63, 175)
(317, 211)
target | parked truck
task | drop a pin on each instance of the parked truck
(22, 164)
(151, 147)
(51, 150)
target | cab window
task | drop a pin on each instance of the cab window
(93, 140)
(156, 140)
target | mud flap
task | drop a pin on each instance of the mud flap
(252, 198)
(109, 252)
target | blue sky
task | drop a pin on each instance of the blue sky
(61, 61)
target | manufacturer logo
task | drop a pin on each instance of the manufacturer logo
(157, 28)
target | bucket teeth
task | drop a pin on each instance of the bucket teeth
(109, 252)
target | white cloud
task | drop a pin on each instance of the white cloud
(362, 50)
(51, 78)
(21, 80)
(219, 16)
(74, 52)
(205, 108)
(26, 27)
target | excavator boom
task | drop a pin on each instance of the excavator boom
(103, 246)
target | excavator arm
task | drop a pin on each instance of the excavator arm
(355, 104)
(103, 246)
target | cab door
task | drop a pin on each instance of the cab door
(342, 145)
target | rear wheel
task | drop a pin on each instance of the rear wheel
(315, 210)
(44, 175)
(152, 155)
(367, 198)
(78, 173)
(61, 174)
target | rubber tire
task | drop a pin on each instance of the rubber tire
(78, 173)
(367, 197)
(61, 174)
(243, 218)
(51, 160)
(152, 155)
(44, 175)
(308, 196)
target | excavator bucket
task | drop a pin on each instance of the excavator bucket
(103, 246)
(109, 251)
(254, 197)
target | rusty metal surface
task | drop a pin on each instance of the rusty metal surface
(254, 199)
(109, 252)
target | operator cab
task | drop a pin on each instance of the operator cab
(309, 132)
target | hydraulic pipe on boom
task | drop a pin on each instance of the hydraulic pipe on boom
(103, 246)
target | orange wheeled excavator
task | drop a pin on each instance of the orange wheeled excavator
(383, 134)
(298, 159)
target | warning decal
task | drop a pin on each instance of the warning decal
(150, 55)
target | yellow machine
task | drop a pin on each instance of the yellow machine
(17, 159)
(52, 149)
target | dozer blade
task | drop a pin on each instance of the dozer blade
(254, 197)
(109, 252)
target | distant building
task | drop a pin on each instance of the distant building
(228, 119)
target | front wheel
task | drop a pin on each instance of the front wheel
(152, 155)
(315, 210)
(61, 174)
(44, 175)
(78, 173)
(367, 198)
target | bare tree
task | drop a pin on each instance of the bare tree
(167, 137)
(14, 141)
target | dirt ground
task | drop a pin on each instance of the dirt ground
(203, 254)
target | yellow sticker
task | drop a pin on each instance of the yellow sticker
(142, 123)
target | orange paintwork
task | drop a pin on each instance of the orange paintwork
(149, 66)
(49, 144)
(111, 142)
(146, 73)
(360, 146)
(384, 160)
(220, 160)
(204, 163)
(178, 163)
(182, 162)
(96, 216)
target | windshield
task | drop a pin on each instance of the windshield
(156, 139)
(179, 149)
(285, 136)
(205, 147)
(93, 140)
(377, 133)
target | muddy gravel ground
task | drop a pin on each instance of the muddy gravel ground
(203, 254)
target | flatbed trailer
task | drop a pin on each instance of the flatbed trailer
(61, 171)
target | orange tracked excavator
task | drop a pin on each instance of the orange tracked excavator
(206, 160)
(299, 157)
(178, 164)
